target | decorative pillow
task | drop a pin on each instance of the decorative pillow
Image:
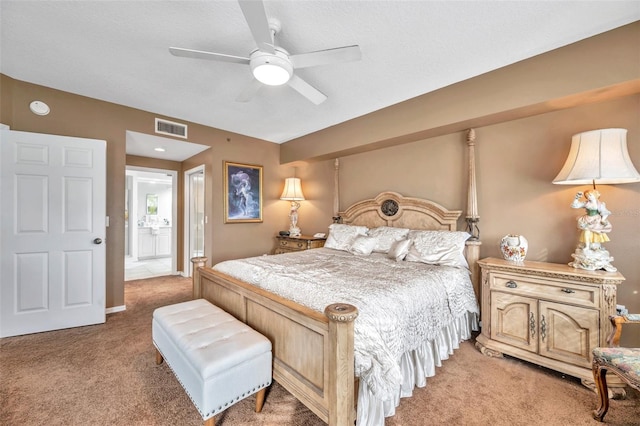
(399, 250)
(362, 245)
(386, 236)
(438, 248)
(341, 236)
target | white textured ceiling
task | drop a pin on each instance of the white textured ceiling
(117, 51)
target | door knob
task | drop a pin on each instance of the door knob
(97, 241)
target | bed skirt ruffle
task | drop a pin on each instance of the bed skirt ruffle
(416, 365)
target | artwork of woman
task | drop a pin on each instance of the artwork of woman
(242, 185)
(594, 224)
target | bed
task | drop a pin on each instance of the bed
(318, 350)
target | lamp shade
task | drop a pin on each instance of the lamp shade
(599, 157)
(292, 190)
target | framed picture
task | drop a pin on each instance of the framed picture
(152, 204)
(242, 193)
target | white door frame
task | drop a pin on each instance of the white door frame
(133, 243)
(187, 215)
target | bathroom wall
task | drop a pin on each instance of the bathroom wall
(165, 201)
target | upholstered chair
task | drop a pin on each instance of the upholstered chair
(623, 362)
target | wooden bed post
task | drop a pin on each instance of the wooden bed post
(472, 194)
(336, 192)
(341, 392)
(472, 218)
(198, 262)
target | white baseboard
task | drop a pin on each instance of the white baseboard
(115, 309)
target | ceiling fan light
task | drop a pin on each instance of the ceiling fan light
(272, 75)
(271, 69)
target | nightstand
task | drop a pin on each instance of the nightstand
(289, 244)
(546, 313)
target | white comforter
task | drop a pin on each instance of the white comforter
(401, 304)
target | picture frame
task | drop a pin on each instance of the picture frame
(242, 193)
(152, 204)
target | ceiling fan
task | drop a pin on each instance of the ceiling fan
(271, 64)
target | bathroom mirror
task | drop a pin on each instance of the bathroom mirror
(152, 204)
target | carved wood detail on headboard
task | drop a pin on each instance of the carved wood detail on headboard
(393, 209)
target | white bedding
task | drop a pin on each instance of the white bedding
(402, 305)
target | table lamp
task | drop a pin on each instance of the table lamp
(595, 157)
(293, 192)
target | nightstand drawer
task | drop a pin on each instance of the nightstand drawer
(298, 245)
(564, 292)
(290, 244)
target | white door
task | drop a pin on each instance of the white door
(194, 216)
(52, 250)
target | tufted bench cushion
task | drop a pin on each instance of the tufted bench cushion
(217, 359)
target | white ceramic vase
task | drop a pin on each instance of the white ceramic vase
(514, 247)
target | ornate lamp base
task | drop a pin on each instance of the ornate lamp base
(294, 231)
(592, 258)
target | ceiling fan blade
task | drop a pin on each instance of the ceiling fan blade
(307, 90)
(199, 54)
(325, 57)
(249, 92)
(256, 17)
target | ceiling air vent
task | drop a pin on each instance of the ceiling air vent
(167, 127)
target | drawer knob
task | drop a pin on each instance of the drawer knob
(568, 290)
(511, 284)
(283, 243)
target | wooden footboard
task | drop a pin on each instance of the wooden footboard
(313, 354)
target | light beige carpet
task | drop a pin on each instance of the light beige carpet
(106, 375)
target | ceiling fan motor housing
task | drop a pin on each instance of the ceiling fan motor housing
(273, 69)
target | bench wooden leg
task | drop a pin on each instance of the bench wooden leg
(158, 357)
(260, 399)
(600, 376)
(211, 421)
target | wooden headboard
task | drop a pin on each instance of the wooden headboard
(392, 209)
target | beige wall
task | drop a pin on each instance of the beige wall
(73, 115)
(229, 241)
(516, 162)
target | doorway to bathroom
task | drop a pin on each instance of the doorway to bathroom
(150, 231)
(195, 219)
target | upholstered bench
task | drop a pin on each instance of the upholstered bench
(217, 359)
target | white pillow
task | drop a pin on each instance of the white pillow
(399, 250)
(341, 236)
(438, 248)
(386, 236)
(362, 245)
